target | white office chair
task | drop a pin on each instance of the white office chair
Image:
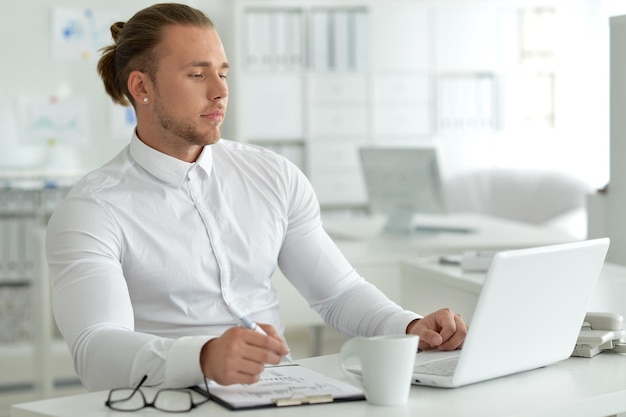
(538, 197)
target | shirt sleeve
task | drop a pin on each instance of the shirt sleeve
(93, 310)
(313, 263)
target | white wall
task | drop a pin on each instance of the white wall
(579, 144)
(28, 68)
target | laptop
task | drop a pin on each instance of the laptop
(528, 315)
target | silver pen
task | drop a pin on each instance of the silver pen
(243, 319)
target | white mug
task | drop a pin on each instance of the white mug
(386, 366)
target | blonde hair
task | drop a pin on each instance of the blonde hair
(135, 45)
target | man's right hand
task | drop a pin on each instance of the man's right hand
(239, 355)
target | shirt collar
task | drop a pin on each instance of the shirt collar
(168, 169)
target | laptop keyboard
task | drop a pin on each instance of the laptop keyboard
(443, 367)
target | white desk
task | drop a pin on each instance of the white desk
(430, 285)
(363, 236)
(577, 387)
(378, 257)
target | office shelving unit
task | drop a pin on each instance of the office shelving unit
(34, 360)
(317, 79)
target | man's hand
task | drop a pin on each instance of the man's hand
(239, 355)
(442, 330)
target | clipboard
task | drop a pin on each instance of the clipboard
(285, 385)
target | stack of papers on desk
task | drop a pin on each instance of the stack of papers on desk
(471, 260)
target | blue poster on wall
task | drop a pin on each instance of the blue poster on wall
(80, 33)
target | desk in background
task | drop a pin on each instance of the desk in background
(430, 285)
(576, 387)
(378, 257)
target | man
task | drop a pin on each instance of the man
(151, 254)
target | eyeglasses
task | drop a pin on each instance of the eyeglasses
(169, 400)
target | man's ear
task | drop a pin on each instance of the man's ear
(140, 87)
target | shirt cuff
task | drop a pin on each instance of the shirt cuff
(182, 367)
(400, 321)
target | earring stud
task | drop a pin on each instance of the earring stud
(145, 99)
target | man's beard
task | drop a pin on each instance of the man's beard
(184, 130)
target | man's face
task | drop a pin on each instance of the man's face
(191, 93)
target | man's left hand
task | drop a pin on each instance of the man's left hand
(442, 330)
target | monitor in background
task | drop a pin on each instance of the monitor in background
(402, 182)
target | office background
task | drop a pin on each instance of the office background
(489, 83)
(565, 127)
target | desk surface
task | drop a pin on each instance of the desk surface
(450, 281)
(362, 239)
(574, 387)
(374, 253)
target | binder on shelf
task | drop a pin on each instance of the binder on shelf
(319, 40)
(361, 40)
(341, 44)
(295, 38)
(258, 53)
(29, 248)
(20, 247)
(339, 40)
(12, 249)
(485, 102)
(273, 39)
(279, 35)
(466, 102)
(4, 247)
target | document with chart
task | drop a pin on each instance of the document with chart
(285, 385)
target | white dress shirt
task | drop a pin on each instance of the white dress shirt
(147, 253)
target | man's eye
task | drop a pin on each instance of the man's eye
(197, 76)
(223, 76)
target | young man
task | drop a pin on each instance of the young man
(152, 254)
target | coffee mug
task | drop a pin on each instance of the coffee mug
(386, 366)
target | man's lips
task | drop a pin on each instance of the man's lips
(215, 115)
